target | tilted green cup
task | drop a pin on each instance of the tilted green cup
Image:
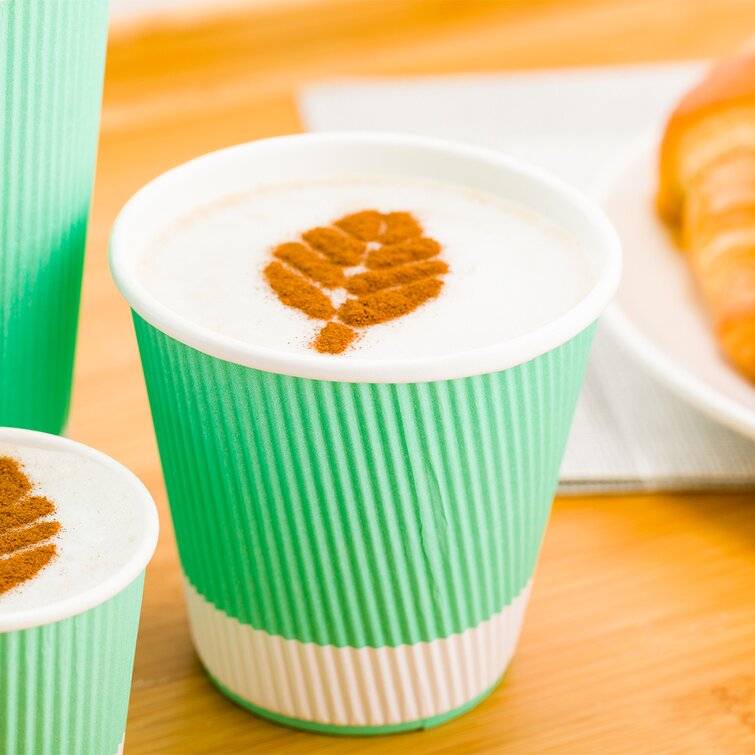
(52, 56)
(65, 668)
(358, 537)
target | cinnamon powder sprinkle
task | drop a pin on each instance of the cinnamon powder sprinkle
(376, 280)
(400, 273)
(402, 253)
(24, 566)
(387, 305)
(334, 338)
(24, 551)
(16, 540)
(298, 293)
(26, 512)
(13, 482)
(365, 226)
(341, 249)
(400, 226)
(310, 263)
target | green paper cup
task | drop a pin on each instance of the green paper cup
(358, 538)
(52, 55)
(65, 669)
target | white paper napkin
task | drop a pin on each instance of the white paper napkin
(630, 433)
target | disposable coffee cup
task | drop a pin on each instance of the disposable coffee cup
(52, 56)
(66, 667)
(358, 537)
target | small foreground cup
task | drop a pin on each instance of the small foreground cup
(358, 537)
(52, 57)
(65, 668)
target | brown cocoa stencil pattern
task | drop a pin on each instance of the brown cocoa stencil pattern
(382, 261)
(25, 527)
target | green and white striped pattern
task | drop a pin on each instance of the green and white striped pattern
(52, 56)
(64, 687)
(358, 556)
(356, 690)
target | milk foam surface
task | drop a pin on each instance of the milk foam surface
(511, 270)
(102, 525)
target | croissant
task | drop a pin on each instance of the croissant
(707, 195)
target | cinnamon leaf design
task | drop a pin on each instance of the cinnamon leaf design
(25, 527)
(382, 261)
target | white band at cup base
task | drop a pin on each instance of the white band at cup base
(344, 686)
(119, 751)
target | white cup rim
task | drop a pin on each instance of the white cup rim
(115, 583)
(145, 204)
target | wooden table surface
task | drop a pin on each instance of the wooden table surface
(640, 637)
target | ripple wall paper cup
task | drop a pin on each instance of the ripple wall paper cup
(65, 669)
(52, 56)
(358, 538)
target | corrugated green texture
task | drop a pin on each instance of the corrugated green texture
(64, 687)
(52, 55)
(359, 514)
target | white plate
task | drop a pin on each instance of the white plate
(658, 313)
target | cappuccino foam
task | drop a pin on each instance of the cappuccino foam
(510, 270)
(101, 524)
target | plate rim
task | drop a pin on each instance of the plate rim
(696, 392)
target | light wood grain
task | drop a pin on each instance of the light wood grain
(641, 631)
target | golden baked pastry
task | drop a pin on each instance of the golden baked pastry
(707, 194)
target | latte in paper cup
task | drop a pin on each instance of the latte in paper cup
(359, 519)
(76, 533)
